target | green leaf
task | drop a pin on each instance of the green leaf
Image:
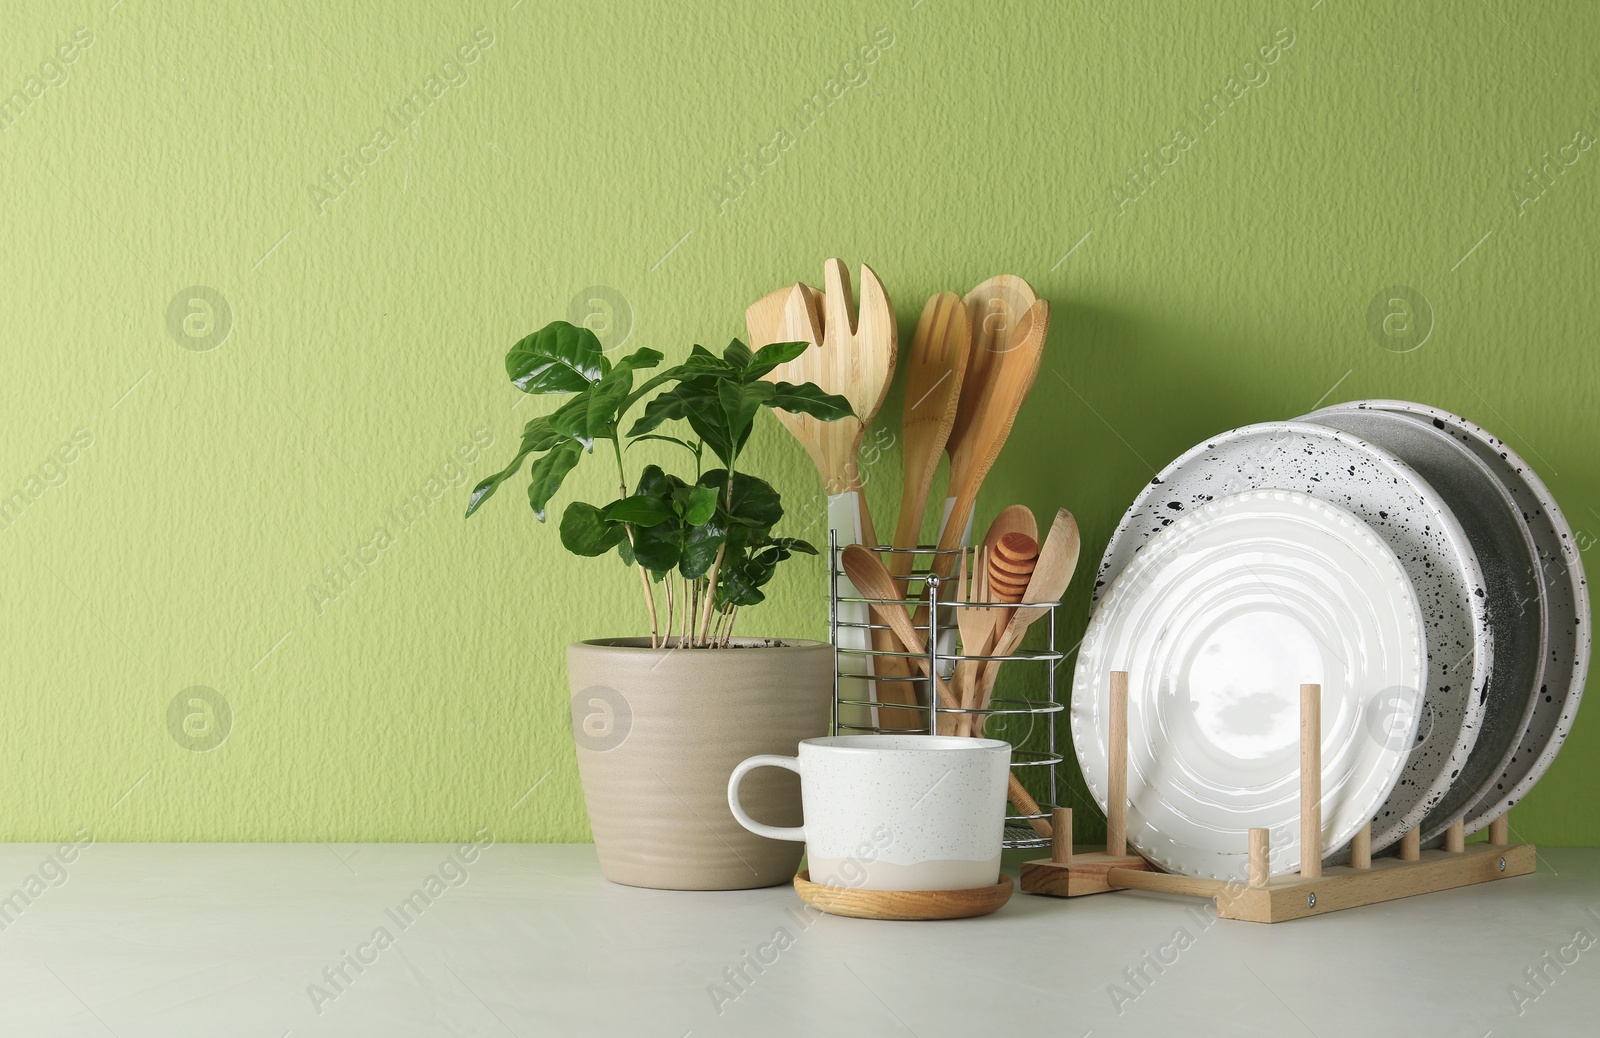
(692, 448)
(655, 483)
(740, 583)
(658, 548)
(672, 404)
(548, 471)
(586, 532)
(809, 399)
(643, 358)
(700, 505)
(571, 419)
(558, 358)
(700, 549)
(753, 502)
(625, 550)
(795, 544)
(739, 405)
(737, 354)
(639, 511)
(771, 356)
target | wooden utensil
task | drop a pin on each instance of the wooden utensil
(996, 386)
(764, 318)
(1022, 550)
(874, 581)
(1058, 558)
(937, 369)
(977, 631)
(856, 360)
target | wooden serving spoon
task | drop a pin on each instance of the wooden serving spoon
(875, 582)
(1058, 558)
(1001, 383)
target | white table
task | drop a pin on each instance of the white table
(228, 940)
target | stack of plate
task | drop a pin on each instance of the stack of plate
(1399, 556)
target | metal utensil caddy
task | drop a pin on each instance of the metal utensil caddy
(941, 624)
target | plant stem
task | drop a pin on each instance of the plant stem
(650, 604)
(727, 634)
(711, 592)
(644, 578)
(666, 585)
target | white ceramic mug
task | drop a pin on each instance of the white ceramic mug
(894, 812)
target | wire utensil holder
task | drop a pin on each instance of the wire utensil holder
(854, 686)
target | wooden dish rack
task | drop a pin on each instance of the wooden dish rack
(1265, 898)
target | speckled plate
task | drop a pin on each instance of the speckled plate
(1505, 551)
(1408, 515)
(1564, 592)
(1218, 622)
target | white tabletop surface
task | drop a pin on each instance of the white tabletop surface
(528, 940)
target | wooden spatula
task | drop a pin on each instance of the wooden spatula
(936, 368)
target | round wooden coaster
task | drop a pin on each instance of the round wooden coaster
(903, 904)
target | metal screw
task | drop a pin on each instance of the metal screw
(1311, 899)
(1502, 864)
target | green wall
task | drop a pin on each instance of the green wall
(186, 510)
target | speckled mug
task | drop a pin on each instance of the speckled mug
(894, 812)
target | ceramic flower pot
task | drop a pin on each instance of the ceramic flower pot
(658, 733)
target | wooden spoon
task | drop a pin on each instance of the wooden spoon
(1008, 380)
(875, 582)
(1025, 550)
(1058, 558)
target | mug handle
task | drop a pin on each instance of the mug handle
(796, 833)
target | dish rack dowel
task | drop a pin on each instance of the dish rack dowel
(1264, 898)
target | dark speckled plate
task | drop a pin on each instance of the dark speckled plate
(1564, 594)
(1409, 515)
(1516, 608)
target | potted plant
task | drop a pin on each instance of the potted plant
(661, 721)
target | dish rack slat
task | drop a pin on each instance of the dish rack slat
(1264, 898)
(1021, 830)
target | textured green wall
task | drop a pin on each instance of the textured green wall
(1207, 270)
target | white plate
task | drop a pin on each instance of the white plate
(1218, 621)
(1409, 516)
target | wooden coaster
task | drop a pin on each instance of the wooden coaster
(903, 904)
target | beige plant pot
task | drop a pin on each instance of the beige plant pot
(658, 733)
